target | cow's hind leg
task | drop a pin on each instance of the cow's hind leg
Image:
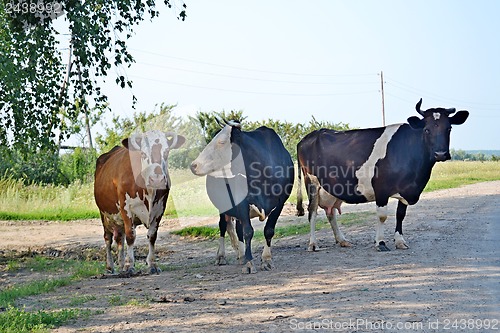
(236, 237)
(313, 195)
(398, 234)
(339, 235)
(108, 239)
(379, 236)
(221, 251)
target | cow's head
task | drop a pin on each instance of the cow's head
(436, 128)
(148, 156)
(220, 153)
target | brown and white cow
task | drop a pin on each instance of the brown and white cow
(131, 188)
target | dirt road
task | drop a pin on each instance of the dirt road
(449, 279)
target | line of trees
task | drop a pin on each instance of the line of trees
(79, 164)
(462, 155)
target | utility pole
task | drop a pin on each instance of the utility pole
(382, 91)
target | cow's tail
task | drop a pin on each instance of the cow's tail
(300, 208)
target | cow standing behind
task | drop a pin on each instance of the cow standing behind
(249, 174)
(233, 228)
(373, 164)
(131, 188)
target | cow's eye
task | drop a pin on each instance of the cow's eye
(427, 131)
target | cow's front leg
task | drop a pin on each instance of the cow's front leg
(249, 267)
(128, 264)
(129, 258)
(379, 236)
(152, 235)
(398, 234)
(120, 244)
(267, 262)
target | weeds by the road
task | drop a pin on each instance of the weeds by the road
(15, 319)
(210, 232)
(187, 197)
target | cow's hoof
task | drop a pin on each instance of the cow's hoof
(249, 268)
(155, 270)
(382, 247)
(267, 265)
(313, 248)
(220, 261)
(127, 273)
(400, 242)
(345, 243)
(402, 246)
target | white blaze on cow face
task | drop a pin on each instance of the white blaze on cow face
(215, 159)
(148, 156)
(436, 115)
(366, 172)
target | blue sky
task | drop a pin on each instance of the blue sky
(290, 60)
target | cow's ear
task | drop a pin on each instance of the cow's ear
(416, 122)
(459, 118)
(125, 143)
(134, 142)
(175, 141)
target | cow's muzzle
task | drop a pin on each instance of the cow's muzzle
(194, 168)
(441, 156)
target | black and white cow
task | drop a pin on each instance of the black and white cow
(373, 164)
(249, 174)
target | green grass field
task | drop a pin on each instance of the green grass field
(187, 197)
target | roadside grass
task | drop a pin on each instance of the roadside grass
(281, 231)
(15, 319)
(458, 173)
(37, 202)
(188, 195)
(69, 270)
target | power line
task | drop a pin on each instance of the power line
(248, 69)
(251, 78)
(406, 87)
(253, 92)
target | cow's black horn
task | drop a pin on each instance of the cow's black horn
(451, 110)
(417, 107)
